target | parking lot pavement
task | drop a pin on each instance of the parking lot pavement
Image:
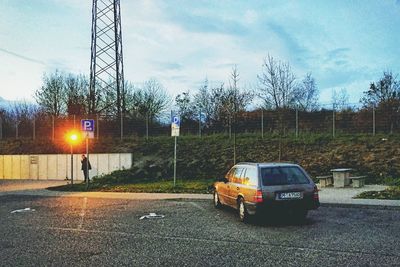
(26, 185)
(91, 231)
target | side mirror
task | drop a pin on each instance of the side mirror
(224, 180)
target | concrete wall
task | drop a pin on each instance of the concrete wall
(58, 167)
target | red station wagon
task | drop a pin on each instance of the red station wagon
(254, 188)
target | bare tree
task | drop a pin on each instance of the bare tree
(276, 84)
(51, 95)
(150, 100)
(185, 106)
(340, 100)
(76, 94)
(23, 111)
(306, 94)
(385, 96)
(386, 90)
(203, 102)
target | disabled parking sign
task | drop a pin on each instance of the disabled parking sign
(87, 127)
(175, 125)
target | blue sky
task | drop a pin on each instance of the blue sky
(344, 44)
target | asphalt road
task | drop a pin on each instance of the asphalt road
(72, 231)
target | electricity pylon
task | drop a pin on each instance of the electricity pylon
(106, 67)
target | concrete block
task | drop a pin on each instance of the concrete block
(16, 167)
(42, 167)
(78, 167)
(52, 166)
(1, 167)
(113, 162)
(25, 168)
(7, 161)
(102, 164)
(126, 160)
(61, 167)
(93, 158)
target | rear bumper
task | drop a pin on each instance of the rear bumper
(275, 205)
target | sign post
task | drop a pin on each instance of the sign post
(88, 131)
(175, 125)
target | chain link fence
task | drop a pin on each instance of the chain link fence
(285, 122)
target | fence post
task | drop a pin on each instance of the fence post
(262, 123)
(122, 125)
(200, 123)
(52, 123)
(147, 125)
(97, 126)
(297, 123)
(373, 120)
(34, 129)
(333, 121)
(230, 127)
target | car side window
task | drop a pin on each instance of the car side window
(236, 177)
(250, 178)
(229, 175)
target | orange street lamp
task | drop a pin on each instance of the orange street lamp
(72, 139)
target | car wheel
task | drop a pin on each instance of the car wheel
(243, 214)
(216, 201)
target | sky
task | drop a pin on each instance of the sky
(344, 44)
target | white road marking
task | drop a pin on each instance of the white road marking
(152, 216)
(23, 210)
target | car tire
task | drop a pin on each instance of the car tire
(244, 216)
(216, 202)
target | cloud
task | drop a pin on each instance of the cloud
(209, 23)
(339, 55)
(22, 57)
(293, 46)
(168, 65)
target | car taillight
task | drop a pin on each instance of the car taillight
(258, 198)
(315, 195)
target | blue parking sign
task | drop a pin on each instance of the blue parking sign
(87, 125)
(176, 121)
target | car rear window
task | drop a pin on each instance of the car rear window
(283, 176)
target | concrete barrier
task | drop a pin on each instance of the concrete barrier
(58, 166)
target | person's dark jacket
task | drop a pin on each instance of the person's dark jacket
(84, 164)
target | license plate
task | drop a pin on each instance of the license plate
(290, 195)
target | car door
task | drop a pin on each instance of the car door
(223, 188)
(249, 183)
(234, 186)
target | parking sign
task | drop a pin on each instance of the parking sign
(175, 125)
(87, 125)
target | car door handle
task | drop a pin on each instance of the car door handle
(237, 188)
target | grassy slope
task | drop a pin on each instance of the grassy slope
(211, 156)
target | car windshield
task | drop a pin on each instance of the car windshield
(283, 176)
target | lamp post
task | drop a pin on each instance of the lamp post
(72, 138)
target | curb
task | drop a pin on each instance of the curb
(360, 206)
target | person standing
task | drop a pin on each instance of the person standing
(85, 167)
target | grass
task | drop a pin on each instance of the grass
(165, 186)
(391, 193)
